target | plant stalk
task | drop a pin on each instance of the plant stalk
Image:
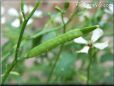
(89, 66)
(61, 47)
(18, 43)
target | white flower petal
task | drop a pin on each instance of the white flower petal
(80, 40)
(96, 34)
(38, 13)
(101, 45)
(30, 21)
(84, 50)
(3, 20)
(16, 23)
(2, 10)
(13, 12)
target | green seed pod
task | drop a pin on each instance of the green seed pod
(59, 9)
(66, 5)
(52, 43)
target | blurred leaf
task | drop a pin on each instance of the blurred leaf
(13, 34)
(33, 80)
(7, 52)
(65, 63)
(97, 17)
(7, 47)
(83, 78)
(106, 57)
(98, 70)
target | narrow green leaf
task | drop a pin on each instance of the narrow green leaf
(45, 31)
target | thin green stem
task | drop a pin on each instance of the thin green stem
(74, 13)
(89, 65)
(58, 55)
(59, 27)
(22, 9)
(64, 25)
(8, 71)
(18, 44)
(88, 72)
(37, 4)
(16, 52)
(61, 47)
(54, 65)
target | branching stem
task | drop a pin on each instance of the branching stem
(61, 47)
(19, 42)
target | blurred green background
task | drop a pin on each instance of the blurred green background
(72, 66)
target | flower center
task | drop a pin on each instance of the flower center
(90, 44)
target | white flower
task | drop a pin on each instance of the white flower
(27, 9)
(85, 5)
(58, 19)
(65, 19)
(3, 20)
(84, 50)
(96, 34)
(110, 9)
(30, 21)
(104, 19)
(2, 10)
(38, 13)
(16, 23)
(13, 12)
(85, 14)
(81, 18)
